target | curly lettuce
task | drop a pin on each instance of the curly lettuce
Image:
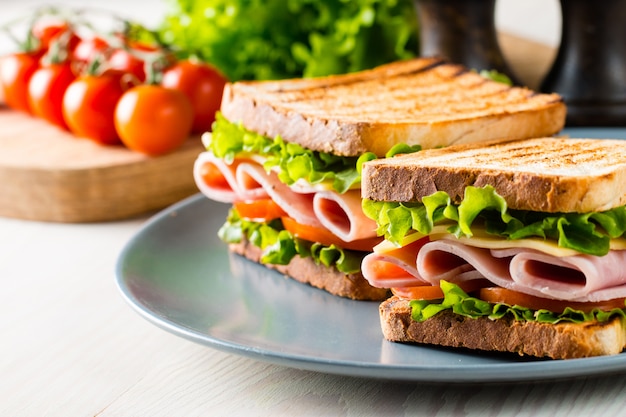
(280, 246)
(588, 233)
(461, 303)
(291, 161)
(274, 39)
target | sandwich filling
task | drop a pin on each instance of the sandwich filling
(482, 258)
(287, 200)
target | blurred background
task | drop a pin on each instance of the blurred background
(537, 20)
(275, 39)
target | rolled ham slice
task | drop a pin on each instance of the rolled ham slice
(343, 216)
(298, 206)
(376, 272)
(246, 180)
(215, 178)
(574, 278)
(583, 278)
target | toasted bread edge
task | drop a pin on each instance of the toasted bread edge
(556, 341)
(306, 271)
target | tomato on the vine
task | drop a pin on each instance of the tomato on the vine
(88, 48)
(203, 84)
(89, 105)
(46, 88)
(152, 119)
(123, 60)
(46, 33)
(15, 72)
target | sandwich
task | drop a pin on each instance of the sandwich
(286, 155)
(515, 246)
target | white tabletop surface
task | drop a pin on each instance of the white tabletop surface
(71, 346)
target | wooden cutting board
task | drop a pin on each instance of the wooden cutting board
(48, 174)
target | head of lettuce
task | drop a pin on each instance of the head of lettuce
(276, 39)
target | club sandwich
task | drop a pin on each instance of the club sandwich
(286, 155)
(515, 246)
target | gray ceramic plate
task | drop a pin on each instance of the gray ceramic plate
(177, 274)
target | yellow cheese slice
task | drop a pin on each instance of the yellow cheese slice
(482, 239)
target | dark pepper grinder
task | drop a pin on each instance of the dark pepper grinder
(463, 31)
(589, 71)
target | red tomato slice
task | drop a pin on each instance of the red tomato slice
(213, 177)
(316, 234)
(259, 210)
(388, 270)
(434, 292)
(510, 297)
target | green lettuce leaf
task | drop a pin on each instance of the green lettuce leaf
(461, 303)
(292, 161)
(586, 233)
(496, 76)
(274, 39)
(279, 246)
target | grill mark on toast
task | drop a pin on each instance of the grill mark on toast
(424, 101)
(544, 174)
(477, 94)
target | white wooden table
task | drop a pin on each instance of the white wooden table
(70, 346)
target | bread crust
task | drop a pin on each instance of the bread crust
(423, 101)
(306, 271)
(556, 341)
(541, 174)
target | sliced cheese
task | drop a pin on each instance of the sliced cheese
(387, 246)
(481, 239)
(546, 246)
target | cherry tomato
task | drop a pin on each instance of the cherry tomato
(203, 84)
(46, 88)
(123, 60)
(15, 72)
(89, 105)
(87, 49)
(153, 120)
(46, 31)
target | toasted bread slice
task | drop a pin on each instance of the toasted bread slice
(556, 341)
(424, 101)
(305, 270)
(541, 174)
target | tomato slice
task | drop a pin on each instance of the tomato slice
(388, 270)
(212, 176)
(259, 210)
(434, 292)
(324, 236)
(510, 297)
